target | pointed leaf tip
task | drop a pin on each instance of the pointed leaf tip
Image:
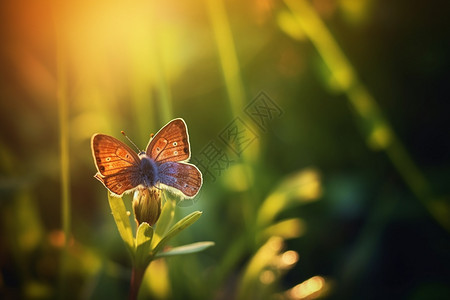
(177, 228)
(186, 249)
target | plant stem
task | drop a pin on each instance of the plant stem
(136, 279)
(63, 115)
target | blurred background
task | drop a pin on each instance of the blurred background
(321, 128)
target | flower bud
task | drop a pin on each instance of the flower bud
(147, 205)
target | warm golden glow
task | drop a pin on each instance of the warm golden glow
(267, 277)
(281, 68)
(289, 257)
(271, 206)
(57, 238)
(356, 11)
(287, 229)
(303, 186)
(158, 286)
(309, 185)
(289, 25)
(264, 261)
(275, 244)
(307, 288)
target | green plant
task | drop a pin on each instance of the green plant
(153, 233)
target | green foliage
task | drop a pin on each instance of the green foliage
(176, 229)
(348, 185)
(144, 237)
(186, 249)
(121, 217)
(142, 248)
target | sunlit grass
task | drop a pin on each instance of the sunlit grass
(312, 288)
(135, 66)
(375, 126)
(63, 112)
(227, 54)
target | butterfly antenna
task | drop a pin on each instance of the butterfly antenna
(124, 134)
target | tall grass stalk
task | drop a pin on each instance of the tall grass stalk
(163, 86)
(380, 134)
(236, 95)
(227, 54)
(165, 96)
(64, 161)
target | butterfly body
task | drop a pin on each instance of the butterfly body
(148, 170)
(164, 163)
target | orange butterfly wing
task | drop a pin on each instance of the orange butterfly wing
(171, 143)
(117, 183)
(117, 164)
(170, 149)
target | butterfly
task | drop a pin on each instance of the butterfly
(163, 164)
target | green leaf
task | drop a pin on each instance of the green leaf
(301, 187)
(144, 237)
(122, 221)
(177, 228)
(165, 219)
(287, 229)
(186, 249)
(265, 257)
